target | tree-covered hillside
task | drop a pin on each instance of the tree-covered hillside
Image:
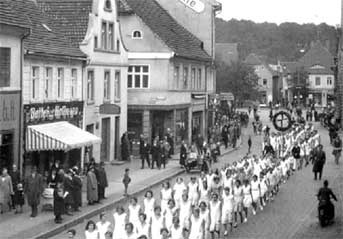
(276, 42)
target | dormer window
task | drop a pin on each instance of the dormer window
(137, 35)
(108, 5)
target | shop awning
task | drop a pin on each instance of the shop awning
(57, 136)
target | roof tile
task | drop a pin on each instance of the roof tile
(11, 16)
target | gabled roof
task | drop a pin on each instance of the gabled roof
(317, 55)
(176, 37)
(44, 37)
(227, 52)
(11, 16)
(253, 59)
(70, 17)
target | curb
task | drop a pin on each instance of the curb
(65, 226)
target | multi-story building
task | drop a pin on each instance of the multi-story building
(170, 70)
(265, 77)
(93, 27)
(14, 27)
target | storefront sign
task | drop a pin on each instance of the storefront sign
(9, 110)
(50, 112)
(109, 109)
(195, 5)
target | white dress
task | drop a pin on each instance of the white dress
(214, 215)
(103, 228)
(166, 195)
(185, 211)
(119, 226)
(227, 208)
(228, 182)
(142, 229)
(205, 216)
(176, 233)
(149, 208)
(193, 195)
(255, 191)
(263, 186)
(204, 194)
(247, 196)
(134, 214)
(237, 198)
(168, 217)
(132, 236)
(179, 189)
(91, 235)
(197, 228)
(156, 226)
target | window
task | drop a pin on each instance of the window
(317, 80)
(177, 76)
(90, 85)
(73, 83)
(48, 83)
(107, 86)
(137, 35)
(35, 82)
(138, 77)
(60, 82)
(95, 42)
(111, 36)
(329, 80)
(118, 46)
(5, 66)
(265, 82)
(117, 85)
(108, 6)
(185, 77)
(199, 78)
(104, 35)
(193, 78)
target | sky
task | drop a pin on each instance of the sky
(279, 11)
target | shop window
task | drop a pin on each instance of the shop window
(5, 66)
(73, 83)
(185, 77)
(35, 82)
(48, 83)
(137, 35)
(60, 83)
(90, 85)
(107, 86)
(138, 77)
(317, 81)
(117, 85)
(6, 150)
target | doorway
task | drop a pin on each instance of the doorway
(106, 139)
(116, 137)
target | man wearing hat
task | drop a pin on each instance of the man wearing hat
(77, 192)
(69, 189)
(33, 190)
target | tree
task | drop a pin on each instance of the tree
(239, 79)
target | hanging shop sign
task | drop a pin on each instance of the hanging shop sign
(196, 5)
(51, 112)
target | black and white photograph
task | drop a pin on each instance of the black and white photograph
(171, 119)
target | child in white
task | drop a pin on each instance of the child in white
(149, 205)
(193, 191)
(103, 226)
(119, 223)
(196, 225)
(166, 195)
(227, 209)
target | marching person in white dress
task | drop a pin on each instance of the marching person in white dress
(238, 201)
(205, 216)
(91, 231)
(134, 211)
(196, 225)
(176, 231)
(120, 218)
(247, 200)
(130, 234)
(204, 192)
(178, 189)
(185, 211)
(193, 191)
(166, 195)
(143, 227)
(227, 209)
(264, 189)
(157, 223)
(169, 214)
(103, 226)
(215, 215)
(149, 205)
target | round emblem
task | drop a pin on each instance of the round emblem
(282, 121)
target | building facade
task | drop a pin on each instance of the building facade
(169, 73)
(13, 29)
(94, 27)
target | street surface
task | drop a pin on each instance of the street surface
(293, 212)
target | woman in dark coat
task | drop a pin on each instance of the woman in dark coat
(92, 187)
(33, 189)
(69, 187)
(125, 152)
(318, 162)
(183, 153)
(77, 192)
(58, 203)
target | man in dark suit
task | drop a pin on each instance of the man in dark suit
(33, 190)
(318, 162)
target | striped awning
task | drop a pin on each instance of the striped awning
(58, 136)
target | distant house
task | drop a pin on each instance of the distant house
(265, 77)
(226, 53)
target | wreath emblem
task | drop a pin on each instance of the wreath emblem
(282, 121)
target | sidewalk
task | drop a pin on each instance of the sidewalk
(22, 226)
